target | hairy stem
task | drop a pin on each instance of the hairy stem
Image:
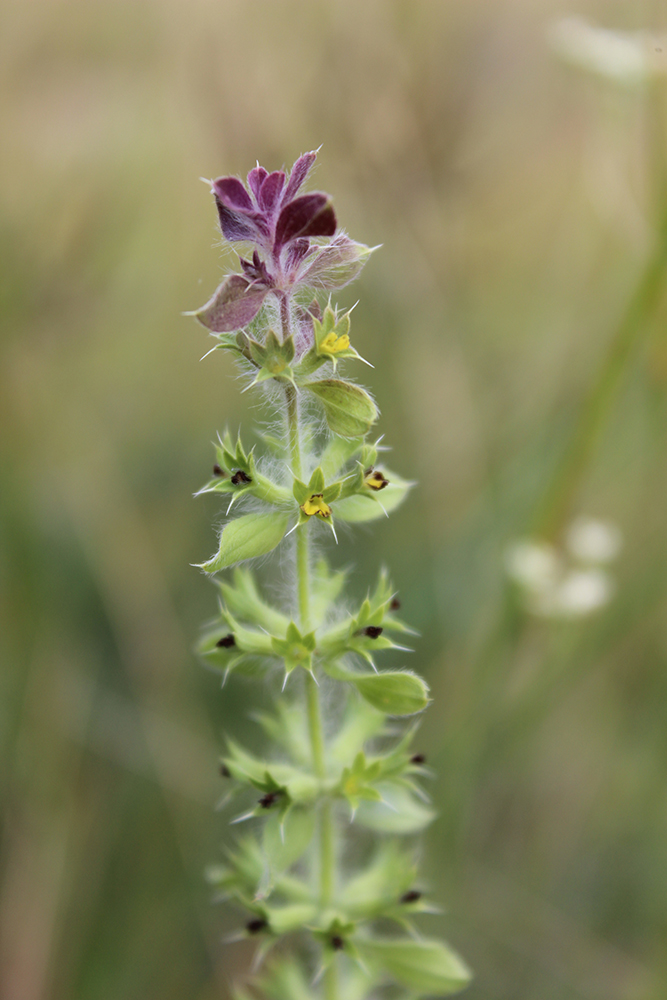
(327, 857)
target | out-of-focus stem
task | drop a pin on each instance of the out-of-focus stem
(555, 507)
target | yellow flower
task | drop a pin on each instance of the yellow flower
(374, 479)
(315, 505)
(332, 343)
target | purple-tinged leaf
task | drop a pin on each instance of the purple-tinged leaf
(298, 174)
(336, 264)
(232, 193)
(256, 270)
(235, 225)
(309, 215)
(270, 190)
(256, 178)
(296, 252)
(235, 303)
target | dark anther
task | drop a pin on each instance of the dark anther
(217, 471)
(375, 479)
(267, 800)
(337, 943)
(418, 758)
(255, 926)
(373, 631)
(240, 477)
(224, 771)
(226, 642)
(411, 896)
(395, 604)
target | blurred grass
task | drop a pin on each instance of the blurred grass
(512, 199)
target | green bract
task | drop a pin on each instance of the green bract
(349, 410)
(246, 538)
(320, 776)
(428, 968)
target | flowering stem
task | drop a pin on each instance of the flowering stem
(306, 891)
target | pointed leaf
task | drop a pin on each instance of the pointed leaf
(285, 842)
(336, 264)
(362, 507)
(349, 409)
(298, 174)
(249, 536)
(316, 484)
(235, 303)
(393, 692)
(285, 919)
(427, 967)
(398, 813)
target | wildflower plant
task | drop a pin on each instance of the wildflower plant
(325, 875)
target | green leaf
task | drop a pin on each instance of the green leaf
(316, 484)
(360, 723)
(245, 767)
(326, 586)
(289, 728)
(381, 883)
(243, 599)
(368, 508)
(336, 454)
(393, 692)
(286, 841)
(399, 812)
(286, 980)
(427, 967)
(246, 538)
(349, 410)
(285, 919)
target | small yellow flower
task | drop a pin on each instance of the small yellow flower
(374, 479)
(315, 505)
(333, 344)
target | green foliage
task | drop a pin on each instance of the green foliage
(246, 538)
(349, 410)
(428, 968)
(395, 692)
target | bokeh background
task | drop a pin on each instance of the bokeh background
(517, 201)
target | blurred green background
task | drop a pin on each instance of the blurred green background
(515, 198)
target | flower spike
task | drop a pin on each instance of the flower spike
(323, 777)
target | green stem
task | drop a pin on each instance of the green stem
(555, 508)
(326, 831)
(303, 577)
(293, 430)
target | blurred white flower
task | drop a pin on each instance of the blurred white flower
(532, 564)
(568, 583)
(593, 541)
(583, 591)
(629, 58)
